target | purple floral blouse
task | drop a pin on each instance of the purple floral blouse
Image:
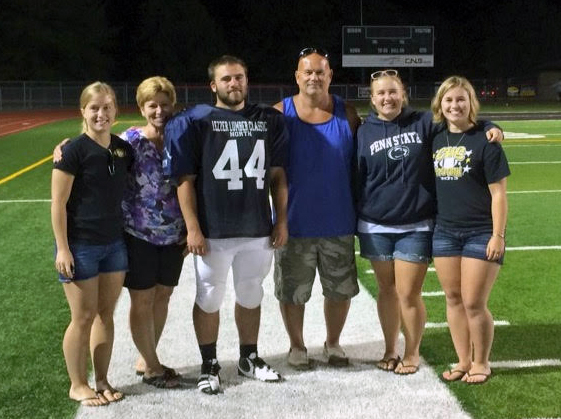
(150, 207)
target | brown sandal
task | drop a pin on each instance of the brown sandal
(451, 372)
(388, 364)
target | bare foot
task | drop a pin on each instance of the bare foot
(140, 366)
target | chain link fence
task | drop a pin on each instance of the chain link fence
(16, 95)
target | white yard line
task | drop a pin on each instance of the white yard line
(366, 392)
(19, 201)
(443, 325)
(507, 145)
(533, 162)
(433, 294)
(525, 248)
(526, 363)
(537, 191)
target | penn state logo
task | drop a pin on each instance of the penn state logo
(398, 152)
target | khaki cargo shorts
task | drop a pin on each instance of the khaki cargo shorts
(297, 261)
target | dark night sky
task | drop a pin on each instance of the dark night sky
(132, 39)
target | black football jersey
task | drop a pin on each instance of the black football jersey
(231, 153)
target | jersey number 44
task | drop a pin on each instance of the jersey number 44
(254, 168)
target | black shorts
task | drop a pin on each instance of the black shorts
(150, 264)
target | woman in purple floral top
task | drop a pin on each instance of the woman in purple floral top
(155, 231)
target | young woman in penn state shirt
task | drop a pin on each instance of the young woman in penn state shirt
(396, 211)
(469, 237)
(91, 257)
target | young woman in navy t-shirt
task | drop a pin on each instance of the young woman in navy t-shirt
(91, 257)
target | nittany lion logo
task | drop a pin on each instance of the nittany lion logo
(398, 152)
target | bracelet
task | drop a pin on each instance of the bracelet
(502, 236)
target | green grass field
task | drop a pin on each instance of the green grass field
(34, 382)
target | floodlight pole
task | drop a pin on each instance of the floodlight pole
(362, 70)
(360, 12)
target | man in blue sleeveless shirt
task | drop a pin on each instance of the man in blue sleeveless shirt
(321, 213)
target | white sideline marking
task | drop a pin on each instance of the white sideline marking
(17, 201)
(534, 248)
(537, 191)
(531, 145)
(523, 135)
(430, 325)
(534, 162)
(526, 363)
(369, 271)
(542, 191)
(432, 293)
(431, 270)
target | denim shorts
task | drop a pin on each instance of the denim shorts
(92, 259)
(467, 243)
(411, 246)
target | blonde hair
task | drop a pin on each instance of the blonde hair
(395, 78)
(450, 83)
(90, 91)
(151, 86)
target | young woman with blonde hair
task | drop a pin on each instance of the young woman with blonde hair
(91, 257)
(396, 211)
(469, 236)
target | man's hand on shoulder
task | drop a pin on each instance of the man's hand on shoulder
(352, 117)
(495, 135)
(57, 152)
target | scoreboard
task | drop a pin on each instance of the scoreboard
(388, 46)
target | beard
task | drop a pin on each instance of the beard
(233, 98)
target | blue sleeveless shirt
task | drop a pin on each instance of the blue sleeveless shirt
(320, 200)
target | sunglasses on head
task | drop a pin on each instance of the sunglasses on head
(382, 73)
(307, 51)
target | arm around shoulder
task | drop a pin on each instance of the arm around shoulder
(352, 117)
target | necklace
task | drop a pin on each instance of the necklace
(458, 143)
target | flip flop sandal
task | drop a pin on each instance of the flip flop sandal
(166, 380)
(487, 376)
(169, 370)
(113, 393)
(84, 401)
(385, 364)
(415, 369)
(450, 373)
